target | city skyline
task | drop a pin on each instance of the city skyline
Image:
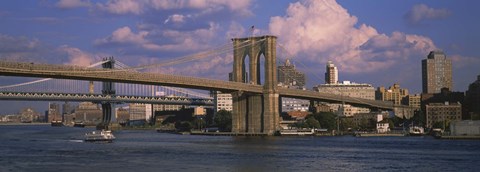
(381, 46)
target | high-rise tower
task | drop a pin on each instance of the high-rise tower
(331, 74)
(436, 72)
(288, 75)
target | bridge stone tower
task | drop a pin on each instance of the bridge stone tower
(255, 113)
(108, 88)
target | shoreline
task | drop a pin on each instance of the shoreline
(19, 123)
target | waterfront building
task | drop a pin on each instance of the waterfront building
(122, 115)
(436, 73)
(348, 89)
(199, 111)
(291, 104)
(223, 101)
(442, 112)
(444, 96)
(28, 115)
(331, 74)
(394, 94)
(140, 111)
(88, 112)
(465, 128)
(288, 75)
(370, 120)
(472, 100)
(54, 112)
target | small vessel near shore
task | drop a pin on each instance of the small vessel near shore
(99, 136)
(56, 123)
(297, 132)
(416, 131)
(79, 124)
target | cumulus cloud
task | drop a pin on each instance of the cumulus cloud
(76, 56)
(66, 4)
(206, 6)
(422, 12)
(123, 6)
(33, 50)
(176, 18)
(10, 44)
(162, 40)
(319, 31)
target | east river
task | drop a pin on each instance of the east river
(45, 148)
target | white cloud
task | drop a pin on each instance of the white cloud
(76, 56)
(162, 40)
(123, 6)
(421, 12)
(235, 30)
(124, 35)
(10, 44)
(176, 18)
(66, 4)
(319, 31)
(205, 6)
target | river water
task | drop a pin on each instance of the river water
(45, 148)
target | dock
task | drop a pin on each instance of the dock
(226, 134)
(379, 135)
(461, 137)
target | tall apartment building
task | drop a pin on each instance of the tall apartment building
(393, 93)
(436, 72)
(331, 74)
(288, 75)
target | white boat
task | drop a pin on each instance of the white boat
(295, 132)
(99, 136)
(416, 131)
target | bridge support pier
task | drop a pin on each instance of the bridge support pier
(107, 107)
(255, 113)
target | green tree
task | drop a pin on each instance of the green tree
(327, 120)
(346, 123)
(311, 122)
(199, 123)
(183, 126)
(223, 119)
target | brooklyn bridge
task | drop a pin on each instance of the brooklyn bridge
(256, 106)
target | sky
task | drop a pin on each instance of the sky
(375, 42)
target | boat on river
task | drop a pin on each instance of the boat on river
(56, 123)
(416, 131)
(297, 132)
(99, 136)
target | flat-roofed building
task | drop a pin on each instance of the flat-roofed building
(443, 112)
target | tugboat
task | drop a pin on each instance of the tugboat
(100, 136)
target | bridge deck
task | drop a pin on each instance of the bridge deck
(124, 76)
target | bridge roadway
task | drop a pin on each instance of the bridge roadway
(124, 76)
(81, 97)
